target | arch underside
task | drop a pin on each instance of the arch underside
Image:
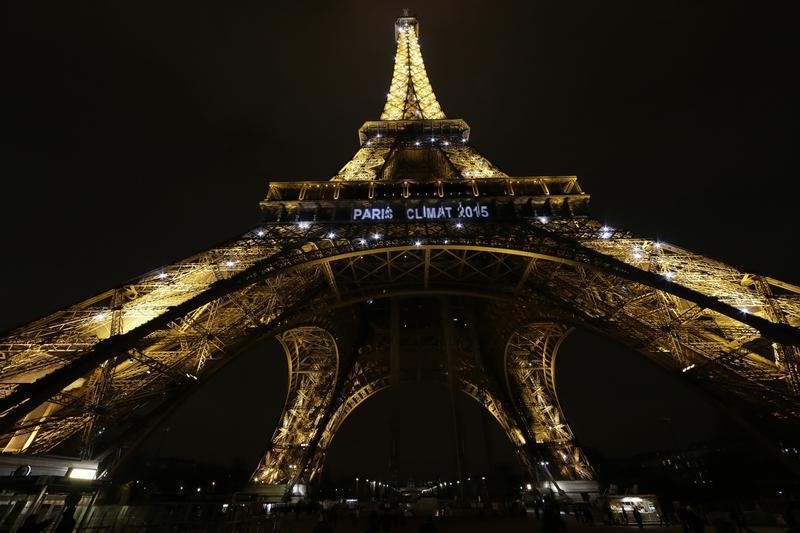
(371, 374)
(112, 357)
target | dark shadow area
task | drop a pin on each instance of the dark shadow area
(227, 424)
(407, 433)
(618, 403)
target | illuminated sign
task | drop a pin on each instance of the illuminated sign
(373, 213)
(423, 211)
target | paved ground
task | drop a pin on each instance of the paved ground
(472, 524)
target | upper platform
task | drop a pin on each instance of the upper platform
(416, 158)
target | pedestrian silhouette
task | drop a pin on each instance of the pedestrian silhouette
(429, 526)
(32, 526)
(637, 516)
(323, 526)
(67, 522)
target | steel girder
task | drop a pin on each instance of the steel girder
(530, 374)
(313, 361)
(727, 329)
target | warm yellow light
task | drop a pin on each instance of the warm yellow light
(81, 473)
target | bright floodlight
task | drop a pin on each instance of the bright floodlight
(99, 317)
(81, 473)
(303, 225)
(362, 241)
(459, 225)
(417, 243)
(605, 235)
(543, 220)
(669, 275)
(162, 275)
(260, 233)
(229, 263)
(376, 236)
(416, 143)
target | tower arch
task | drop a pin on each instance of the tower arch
(417, 209)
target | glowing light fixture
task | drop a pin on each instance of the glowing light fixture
(331, 235)
(81, 473)
(417, 243)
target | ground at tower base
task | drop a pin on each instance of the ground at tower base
(668, 500)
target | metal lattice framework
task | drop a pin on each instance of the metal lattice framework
(530, 371)
(97, 375)
(410, 93)
(313, 363)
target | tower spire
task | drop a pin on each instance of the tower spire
(410, 94)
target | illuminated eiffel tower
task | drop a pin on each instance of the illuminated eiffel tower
(419, 260)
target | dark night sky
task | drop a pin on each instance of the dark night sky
(139, 134)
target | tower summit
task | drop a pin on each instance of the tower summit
(410, 94)
(418, 260)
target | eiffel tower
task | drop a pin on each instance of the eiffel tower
(419, 260)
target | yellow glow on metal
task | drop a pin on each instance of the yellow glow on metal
(575, 261)
(410, 93)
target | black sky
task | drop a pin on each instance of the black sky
(138, 134)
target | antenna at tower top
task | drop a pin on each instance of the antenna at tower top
(405, 12)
